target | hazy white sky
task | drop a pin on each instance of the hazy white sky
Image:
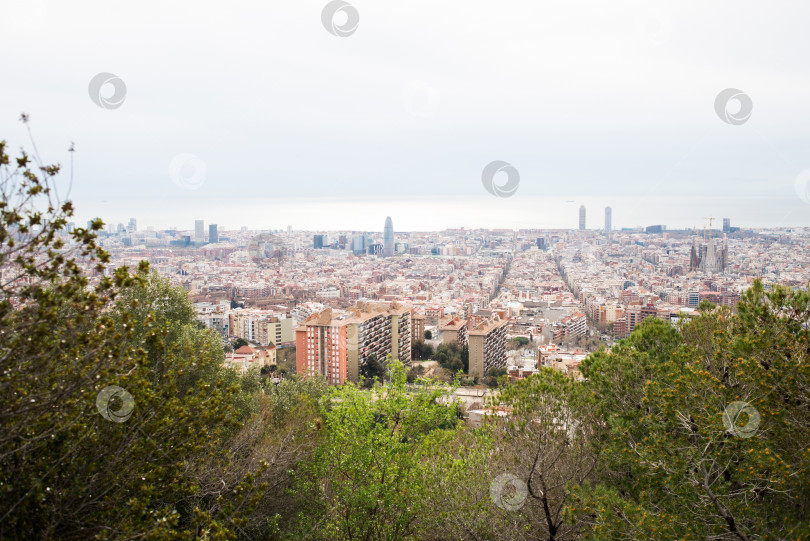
(584, 98)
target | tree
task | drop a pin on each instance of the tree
(238, 342)
(421, 351)
(372, 370)
(109, 406)
(548, 441)
(493, 374)
(372, 472)
(708, 425)
(428, 335)
(518, 342)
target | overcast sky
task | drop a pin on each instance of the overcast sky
(588, 100)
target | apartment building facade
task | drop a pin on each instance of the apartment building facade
(487, 346)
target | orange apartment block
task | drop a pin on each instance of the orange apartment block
(320, 343)
(336, 348)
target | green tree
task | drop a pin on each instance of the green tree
(428, 335)
(549, 443)
(109, 407)
(708, 425)
(421, 351)
(372, 472)
(493, 374)
(372, 370)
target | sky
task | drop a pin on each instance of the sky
(256, 114)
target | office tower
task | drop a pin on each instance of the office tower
(726, 225)
(388, 238)
(582, 217)
(608, 223)
(213, 233)
(358, 243)
(199, 231)
(317, 241)
(289, 229)
(132, 226)
(121, 229)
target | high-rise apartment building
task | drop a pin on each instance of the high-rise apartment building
(213, 233)
(418, 326)
(388, 238)
(337, 347)
(487, 346)
(321, 347)
(261, 326)
(608, 223)
(454, 330)
(582, 217)
(199, 231)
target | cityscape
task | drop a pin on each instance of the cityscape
(334, 270)
(568, 291)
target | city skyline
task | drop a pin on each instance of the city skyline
(435, 214)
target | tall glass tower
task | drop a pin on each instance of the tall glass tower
(608, 222)
(388, 238)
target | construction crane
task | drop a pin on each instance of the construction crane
(704, 227)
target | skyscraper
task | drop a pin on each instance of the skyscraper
(199, 231)
(358, 243)
(608, 222)
(213, 234)
(133, 225)
(582, 217)
(726, 225)
(388, 238)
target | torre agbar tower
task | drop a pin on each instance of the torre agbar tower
(388, 238)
